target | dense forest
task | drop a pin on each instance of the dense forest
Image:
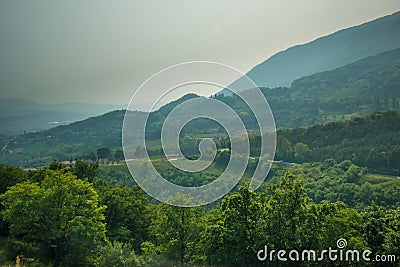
(72, 216)
(371, 141)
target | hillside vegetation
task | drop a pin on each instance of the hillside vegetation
(368, 85)
(371, 141)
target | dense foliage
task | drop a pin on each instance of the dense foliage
(365, 86)
(71, 217)
(371, 141)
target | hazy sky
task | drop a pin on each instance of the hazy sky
(101, 51)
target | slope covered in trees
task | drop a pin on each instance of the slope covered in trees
(371, 141)
(368, 85)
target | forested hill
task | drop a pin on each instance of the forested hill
(371, 141)
(379, 75)
(329, 52)
(368, 85)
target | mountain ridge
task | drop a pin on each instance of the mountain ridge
(328, 52)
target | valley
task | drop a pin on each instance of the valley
(67, 197)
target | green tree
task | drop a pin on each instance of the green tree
(117, 254)
(61, 214)
(284, 149)
(232, 234)
(286, 210)
(119, 155)
(127, 215)
(381, 229)
(84, 170)
(302, 152)
(391, 242)
(177, 231)
(9, 176)
(103, 153)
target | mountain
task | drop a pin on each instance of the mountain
(328, 52)
(368, 85)
(21, 115)
(365, 86)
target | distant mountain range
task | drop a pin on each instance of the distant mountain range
(328, 52)
(21, 115)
